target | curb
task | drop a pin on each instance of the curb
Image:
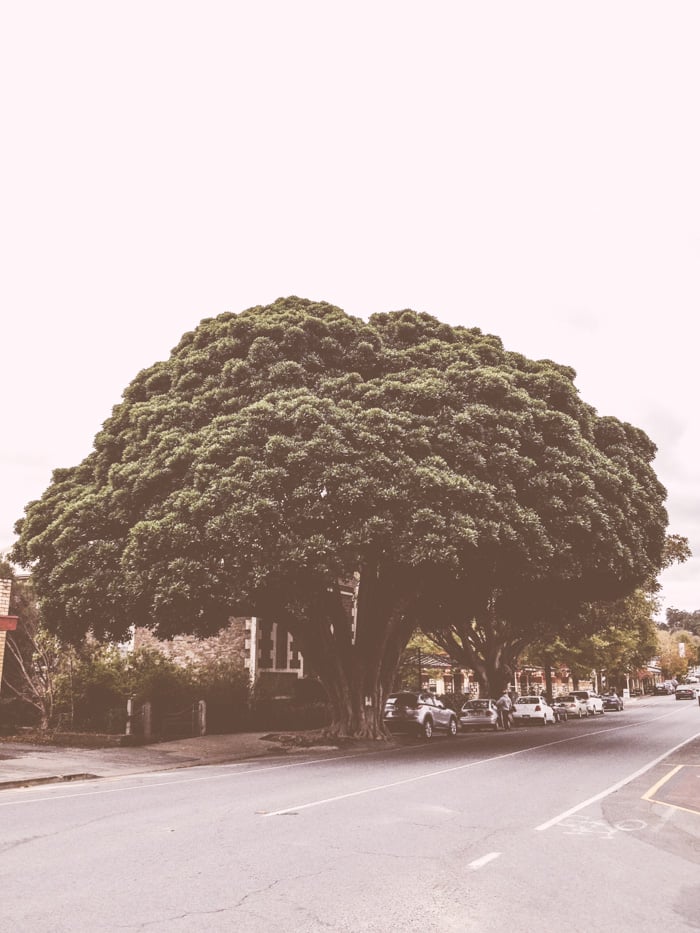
(53, 779)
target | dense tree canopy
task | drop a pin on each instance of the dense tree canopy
(678, 651)
(552, 622)
(681, 619)
(614, 639)
(287, 447)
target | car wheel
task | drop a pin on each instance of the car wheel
(452, 728)
(427, 730)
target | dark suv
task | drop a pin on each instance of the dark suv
(420, 713)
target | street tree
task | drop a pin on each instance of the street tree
(678, 650)
(682, 619)
(280, 451)
(565, 622)
(614, 639)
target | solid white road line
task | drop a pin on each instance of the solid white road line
(613, 787)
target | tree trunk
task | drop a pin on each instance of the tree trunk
(486, 650)
(548, 680)
(357, 668)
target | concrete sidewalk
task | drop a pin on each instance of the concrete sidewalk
(24, 764)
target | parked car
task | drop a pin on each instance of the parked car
(662, 690)
(479, 714)
(575, 706)
(533, 709)
(594, 702)
(686, 691)
(613, 701)
(670, 686)
(420, 713)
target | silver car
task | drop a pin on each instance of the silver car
(594, 702)
(575, 706)
(479, 714)
(420, 713)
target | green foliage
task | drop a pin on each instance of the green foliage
(152, 676)
(618, 637)
(675, 661)
(6, 570)
(306, 706)
(282, 449)
(434, 447)
(679, 619)
(225, 686)
(416, 660)
(91, 689)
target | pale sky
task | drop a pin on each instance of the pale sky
(529, 168)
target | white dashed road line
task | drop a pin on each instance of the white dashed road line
(484, 860)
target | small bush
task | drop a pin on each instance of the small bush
(225, 686)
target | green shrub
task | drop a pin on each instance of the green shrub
(225, 686)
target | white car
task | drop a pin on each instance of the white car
(594, 702)
(533, 709)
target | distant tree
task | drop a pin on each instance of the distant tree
(673, 660)
(616, 638)
(679, 619)
(281, 450)
(6, 570)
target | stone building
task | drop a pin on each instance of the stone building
(265, 648)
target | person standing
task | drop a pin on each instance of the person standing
(504, 706)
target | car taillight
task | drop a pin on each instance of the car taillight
(538, 708)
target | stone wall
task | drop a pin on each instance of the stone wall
(228, 645)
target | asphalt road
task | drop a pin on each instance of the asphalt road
(586, 826)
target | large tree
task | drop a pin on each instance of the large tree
(613, 639)
(682, 619)
(283, 449)
(488, 627)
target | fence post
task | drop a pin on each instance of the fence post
(202, 717)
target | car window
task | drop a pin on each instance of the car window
(524, 701)
(402, 699)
